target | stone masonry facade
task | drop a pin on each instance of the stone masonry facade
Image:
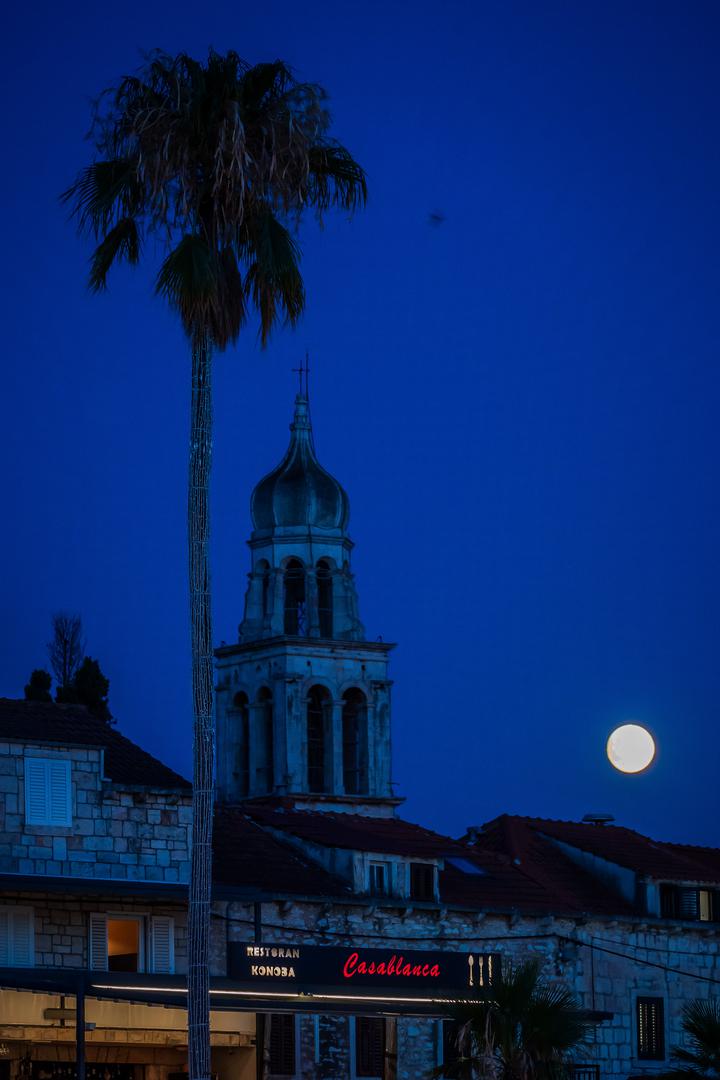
(123, 832)
(607, 963)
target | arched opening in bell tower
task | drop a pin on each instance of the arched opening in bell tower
(265, 741)
(354, 734)
(263, 570)
(295, 598)
(325, 598)
(319, 709)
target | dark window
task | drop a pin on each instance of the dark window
(584, 1071)
(265, 749)
(325, 599)
(282, 1044)
(650, 1029)
(422, 881)
(379, 879)
(369, 1046)
(318, 713)
(242, 753)
(354, 723)
(295, 599)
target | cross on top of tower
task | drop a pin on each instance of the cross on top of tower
(303, 371)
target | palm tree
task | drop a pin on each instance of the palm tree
(701, 1058)
(521, 1029)
(212, 160)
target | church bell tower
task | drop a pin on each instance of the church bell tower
(303, 699)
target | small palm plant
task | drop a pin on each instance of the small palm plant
(522, 1029)
(700, 1059)
(211, 162)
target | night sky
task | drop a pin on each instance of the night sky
(521, 399)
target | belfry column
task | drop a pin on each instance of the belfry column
(311, 603)
(277, 618)
(336, 747)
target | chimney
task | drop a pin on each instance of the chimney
(598, 819)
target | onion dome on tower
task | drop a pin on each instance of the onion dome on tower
(299, 493)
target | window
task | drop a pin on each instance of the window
(379, 879)
(369, 1046)
(422, 881)
(131, 943)
(325, 598)
(354, 728)
(48, 792)
(282, 1044)
(295, 598)
(17, 937)
(318, 711)
(697, 905)
(650, 1028)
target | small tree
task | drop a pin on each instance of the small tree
(700, 1058)
(38, 688)
(66, 649)
(521, 1029)
(91, 689)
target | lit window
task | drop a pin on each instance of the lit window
(48, 792)
(17, 937)
(379, 879)
(131, 943)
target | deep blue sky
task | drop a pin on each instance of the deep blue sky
(522, 402)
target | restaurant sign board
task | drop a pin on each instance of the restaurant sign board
(356, 969)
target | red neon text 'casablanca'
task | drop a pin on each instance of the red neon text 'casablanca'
(396, 965)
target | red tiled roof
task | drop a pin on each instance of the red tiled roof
(245, 856)
(561, 883)
(357, 832)
(619, 845)
(125, 763)
(518, 869)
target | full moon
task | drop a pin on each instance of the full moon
(630, 748)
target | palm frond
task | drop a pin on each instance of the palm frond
(335, 178)
(121, 243)
(103, 193)
(188, 280)
(273, 279)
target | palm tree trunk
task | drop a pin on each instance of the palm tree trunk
(203, 737)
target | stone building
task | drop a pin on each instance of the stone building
(303, 720)
(340, 930)
(94, 849)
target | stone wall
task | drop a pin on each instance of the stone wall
(606, 963)
(61, 924)
(118, 831)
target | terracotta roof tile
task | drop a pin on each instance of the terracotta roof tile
(622, 846)
(125, 763)
(245, 856)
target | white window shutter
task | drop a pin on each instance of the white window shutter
(36, 794)
(23, 939)
(162, 944)
(97, 943)
(59, 793)
(4, 937)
